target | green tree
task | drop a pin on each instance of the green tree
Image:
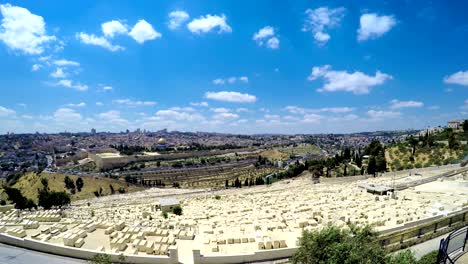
(372, 166)
(79, 184)
(335, 245)
(413, 142)
(16, 197)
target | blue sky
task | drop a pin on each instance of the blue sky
(232, 66)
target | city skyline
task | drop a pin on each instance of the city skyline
(232, 67)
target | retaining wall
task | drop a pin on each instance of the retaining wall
(86, 253)
(264, 255)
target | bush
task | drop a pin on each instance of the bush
(429, 258)
(217, 197)
(100, 259)
(164, 214)
(335, 245)
(177, 210)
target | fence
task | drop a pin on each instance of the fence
(453, 246)
(419, 231)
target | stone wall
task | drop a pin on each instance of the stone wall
(85, 253)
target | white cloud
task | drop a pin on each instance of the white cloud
(107, 88)
(23, 31)
(356, 82)
(379, 114)
(82, 104)
(99, 104)
(67, 115)
(27, 116)
(64, 62)
(113, 28)
(373, 26)
(204, 104)
(177, 18)
(169, 114)
(220, 110)
(91, 39)
(396, 104)
(273, 43)
(460, 78)
(225, 116)
(69, 84)
(218, 81)
(134, 103)
(433, 107)
(242, 109)
(113, 117)
(205, 24)
(231, 80)
(58, 73)
(320, 19)
(143, 31)
(6, 111)
(233, 97)
(312, 118)
(299, 110)
(36, 67)
(266, 35)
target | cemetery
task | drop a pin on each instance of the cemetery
(229, 225)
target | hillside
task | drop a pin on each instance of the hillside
(30, 183)
(400, 156)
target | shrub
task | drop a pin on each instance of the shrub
(335, 245)
(177, 210)
(100, 259)
(217, 197)
(164, 214)
(18, 199)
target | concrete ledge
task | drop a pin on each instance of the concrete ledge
(85, 253)
(264, 255)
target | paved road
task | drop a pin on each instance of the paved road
(15, 255)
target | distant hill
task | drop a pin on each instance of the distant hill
(30, 183)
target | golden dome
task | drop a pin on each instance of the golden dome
(161, 141)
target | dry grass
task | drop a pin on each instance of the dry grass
(30, 183)
(274, 154)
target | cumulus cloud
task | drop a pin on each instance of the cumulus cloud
(233, 97)
(373, 26)
(379, 114)
(169, 114)
(36, 67)
(113, 117)
(205, 24)
(220, 110)
(70, 84)
(107, 88)
(396, 104)
(266, 35)
(23, 31)
(460, 78)
(177, 18)
(320, 19)
(312, 118)
(356, 82)
(113, 28)
(58, 73)
(64, 62)
(143, 31)
(134, 103)
(6, 111)
(91, 39)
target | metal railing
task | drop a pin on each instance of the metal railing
(453, 246)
